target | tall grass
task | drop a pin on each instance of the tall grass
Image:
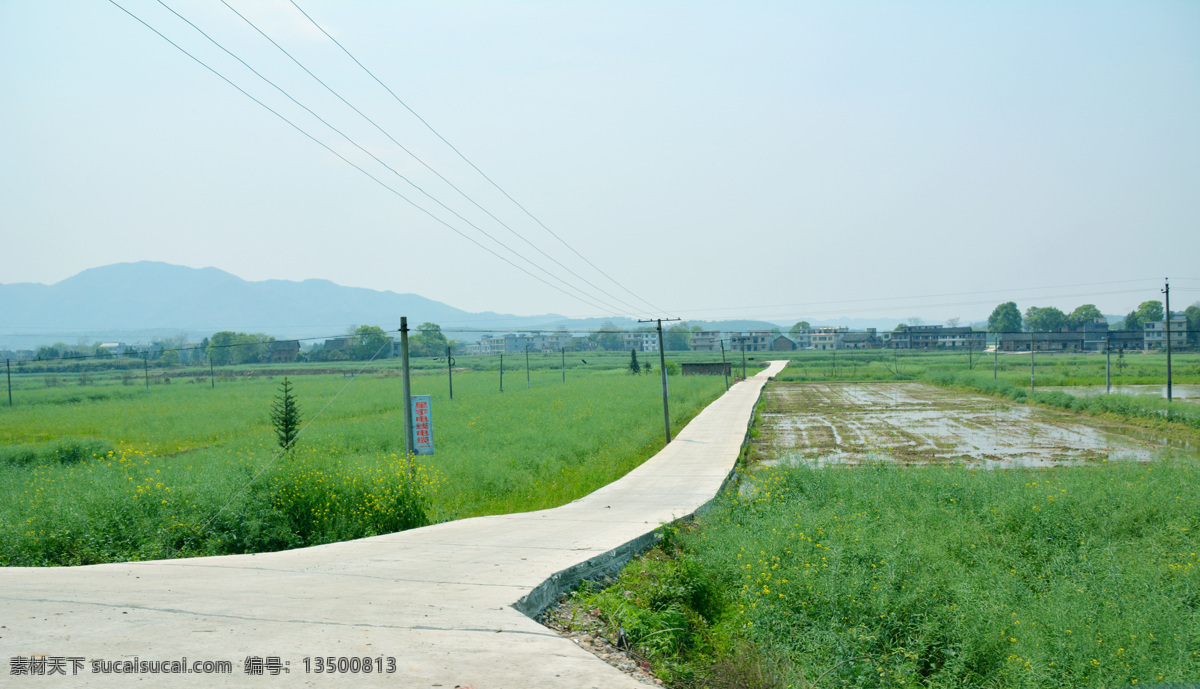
(189, 470)
(939, 577)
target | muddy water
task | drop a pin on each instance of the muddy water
(1185, 393)
(913, 423)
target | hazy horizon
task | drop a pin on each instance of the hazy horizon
(769, 161)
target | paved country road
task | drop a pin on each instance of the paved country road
(441, 606)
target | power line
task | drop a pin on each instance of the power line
(354, 143)
(417, 158)
(653, 308)
(349, 162)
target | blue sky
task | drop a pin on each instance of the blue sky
(719, 160)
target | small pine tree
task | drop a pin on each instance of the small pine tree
(648, 366)
(634, 367)
(285, 416)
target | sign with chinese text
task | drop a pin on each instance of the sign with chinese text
(422, 416)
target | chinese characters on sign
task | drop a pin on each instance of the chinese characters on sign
(422, 425)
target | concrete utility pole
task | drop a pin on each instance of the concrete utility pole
(564, 363)
(8, 370)
(724, 366)
(409, 447)
(146, 368)
(1107, 363)
(526, 366)
(450, 371)
(212, 376)
(501, 371)
(662, 367)
(1167, 327)
(1032, 382)
(996, 357)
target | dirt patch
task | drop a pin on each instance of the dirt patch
(585, 627)
(916, 423)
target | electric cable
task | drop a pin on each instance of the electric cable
(349, 162)
(654, 308)
(354, 143)
(426, 165)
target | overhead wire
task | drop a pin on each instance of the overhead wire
(426, 165)
(354, 143)
(460, 154)
(346, 160)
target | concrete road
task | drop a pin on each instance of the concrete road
(441, 606)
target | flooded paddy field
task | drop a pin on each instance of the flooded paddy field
(917, 423)
(1180, 393)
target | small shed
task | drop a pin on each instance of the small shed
(707, 369)
(783, 344)
(284, 351)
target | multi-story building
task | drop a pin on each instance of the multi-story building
(824, 338)
(642, 341)
(491, 345)
(705, 341)
(753, 341)
(1155, 336)
(937, 337)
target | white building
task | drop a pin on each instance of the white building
(641, 341)
(1155, 332)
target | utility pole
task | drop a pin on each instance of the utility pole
(1107, 363)
(501, 371)
(741, 339)
(212, 377)
(662, 367)
(146, 368)
(8, 370)
(724, 366)
(409, 447)
(996, 357)
(450, 371)
(1032, 382)
(526, 365)
(564, 363)
(1167, 327)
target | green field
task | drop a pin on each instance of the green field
(939, 577)
(106, 471)
(1050, 370)
(892, 575)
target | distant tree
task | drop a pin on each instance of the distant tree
(899, 327)
(697, 329)
(1084, 314)
(647, 367)
(170, 357)
(953, 322)
(609, 337)
(228, 347)
(1146, 312)
(915, 321)
(285, 416)
(677, 338)
(1192, 314)
(1005, 318)
(634, 368)
(370, 341)
(798, 327)
(429, 341)
(1044, 319)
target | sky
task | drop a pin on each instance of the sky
(769, 160)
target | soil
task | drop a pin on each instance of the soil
(585, 627)
(916, 423)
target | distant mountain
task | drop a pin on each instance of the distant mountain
(140, 301)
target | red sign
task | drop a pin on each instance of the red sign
(422, 416)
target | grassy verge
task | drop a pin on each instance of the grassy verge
(893, 576)
(1128, 407)
(185, 470)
